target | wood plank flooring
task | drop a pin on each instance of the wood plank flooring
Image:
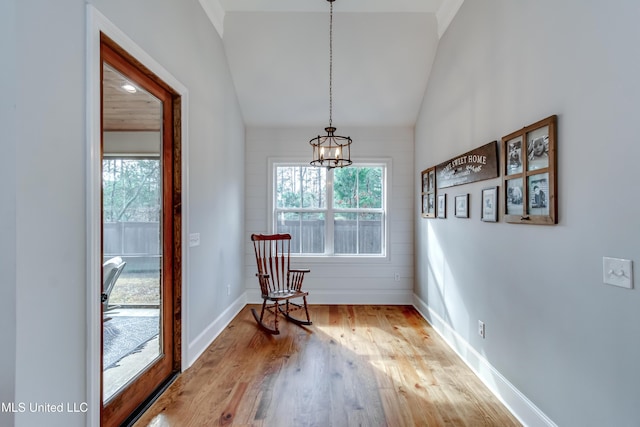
(355, 366)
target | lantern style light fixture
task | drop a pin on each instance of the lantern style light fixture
(331, 151)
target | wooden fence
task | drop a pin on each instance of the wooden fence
(138, 243)
(350, 237)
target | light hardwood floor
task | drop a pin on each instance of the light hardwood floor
(355, 366)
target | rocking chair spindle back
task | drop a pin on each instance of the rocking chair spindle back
(278, 281)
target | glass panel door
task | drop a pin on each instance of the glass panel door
(137, 234)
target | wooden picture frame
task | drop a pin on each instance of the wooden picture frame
(529, 174)
(461, 203)
(489, 204)
(428, 193)
(442, 206)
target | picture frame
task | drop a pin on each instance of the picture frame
(489, 204)
(442, 205)
(529, 174)
(462, 206)
(428, 192)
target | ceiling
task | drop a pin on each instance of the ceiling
(124, 111)
(278, 54)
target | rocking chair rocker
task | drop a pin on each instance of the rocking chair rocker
(278, 283)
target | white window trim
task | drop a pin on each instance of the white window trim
(336, 258)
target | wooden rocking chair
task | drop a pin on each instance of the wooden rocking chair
(278, 283)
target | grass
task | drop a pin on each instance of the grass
(136, 289)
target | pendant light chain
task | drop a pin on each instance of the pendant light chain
(331, 66)
(331, 150)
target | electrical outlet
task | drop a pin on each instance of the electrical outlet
(396, 277)
(481, 329)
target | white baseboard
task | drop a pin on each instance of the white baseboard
(519, 405)
(202, 341)
(349, 296)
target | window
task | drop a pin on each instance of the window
(339, 212)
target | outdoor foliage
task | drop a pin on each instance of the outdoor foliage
(304, 187)
(358, 188)
(300, 187)
(131, 189)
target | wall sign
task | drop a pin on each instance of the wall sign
(475, 165)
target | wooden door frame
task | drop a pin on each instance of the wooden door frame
(97, 24)
(125, 402)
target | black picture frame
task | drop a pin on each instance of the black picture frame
(461, 203)
(442, 206)
(489, 204)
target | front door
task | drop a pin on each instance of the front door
(140, 235)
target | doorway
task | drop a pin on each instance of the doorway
(141, 230)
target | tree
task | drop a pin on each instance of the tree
(300, 187)
(358, 187)
(131, 189)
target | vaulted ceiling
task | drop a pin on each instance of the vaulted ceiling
(278, 52)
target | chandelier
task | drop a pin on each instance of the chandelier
(330, 150)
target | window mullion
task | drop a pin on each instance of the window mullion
(357, 214)
(329, 220)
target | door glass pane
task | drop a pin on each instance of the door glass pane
(132, 232)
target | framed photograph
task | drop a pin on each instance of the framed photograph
(529, 174)
(462, 206)
(514, 197)
(514, 155)
(431, 209)
(442, 205)
(538, 203)
(428, 193)
(489, 204)
(425, 182)
(538, 148)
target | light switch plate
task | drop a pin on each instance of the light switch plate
(194, 239)
(617, 272)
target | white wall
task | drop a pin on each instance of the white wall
(8, 77)
(50, 246)
(50, 222)
(358, 281)
(566, 341)
(180, 37)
